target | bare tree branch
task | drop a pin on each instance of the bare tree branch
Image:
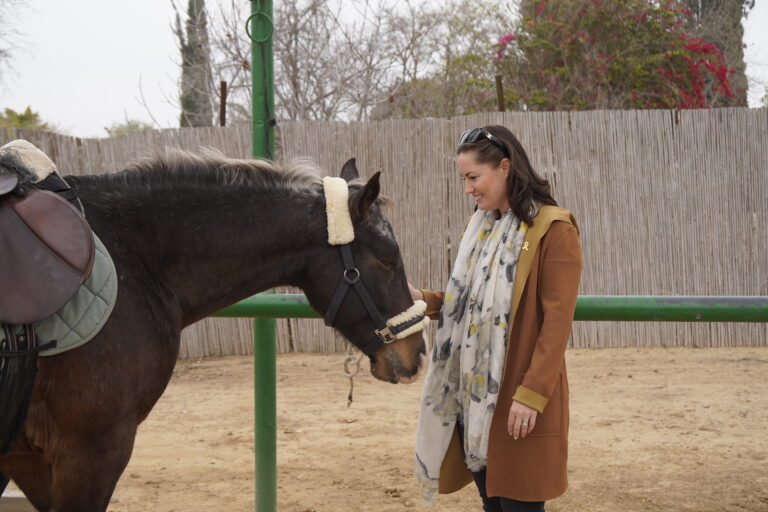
(10, 36)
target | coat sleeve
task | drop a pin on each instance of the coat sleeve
(434, 302)
(558, 290)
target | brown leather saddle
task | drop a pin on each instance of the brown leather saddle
(46, 253)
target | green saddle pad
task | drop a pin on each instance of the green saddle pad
(83, 317)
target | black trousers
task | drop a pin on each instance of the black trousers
(497, 503)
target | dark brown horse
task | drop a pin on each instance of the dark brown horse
(190, 235)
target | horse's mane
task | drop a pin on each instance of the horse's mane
(176, 167)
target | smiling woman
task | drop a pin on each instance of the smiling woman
(485, 164)
(505, 318)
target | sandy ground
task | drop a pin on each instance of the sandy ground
(651, 430)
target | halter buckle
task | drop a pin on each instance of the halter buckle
(385, 335)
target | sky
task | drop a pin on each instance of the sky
(86, 64)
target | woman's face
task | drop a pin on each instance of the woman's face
(486, 183)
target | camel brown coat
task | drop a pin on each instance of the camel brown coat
(546, 283)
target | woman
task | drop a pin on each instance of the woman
(495, 400)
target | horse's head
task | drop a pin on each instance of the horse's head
(370, 264)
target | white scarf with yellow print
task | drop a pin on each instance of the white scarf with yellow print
(465, 372)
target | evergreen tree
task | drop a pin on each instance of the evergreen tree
(27, 119)
(196, 78)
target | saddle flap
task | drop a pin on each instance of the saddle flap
(8, 182)
(46, 253)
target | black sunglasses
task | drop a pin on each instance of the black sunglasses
(478, 134)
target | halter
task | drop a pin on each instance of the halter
(341, 233)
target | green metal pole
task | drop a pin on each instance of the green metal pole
(264, 338)
(265, 407)
(262, 75)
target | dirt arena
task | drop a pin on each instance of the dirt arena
(651, 430)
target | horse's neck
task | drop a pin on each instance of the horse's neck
(209, 253)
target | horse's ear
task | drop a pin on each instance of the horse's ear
(366, 196)
(349, 172)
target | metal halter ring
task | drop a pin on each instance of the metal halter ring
(352, 280)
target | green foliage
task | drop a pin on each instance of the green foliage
(719, 22)
(126, 127)
(28, 120)
(619, 54)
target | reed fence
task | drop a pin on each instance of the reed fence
(668, 203)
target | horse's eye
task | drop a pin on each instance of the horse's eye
(390, 265)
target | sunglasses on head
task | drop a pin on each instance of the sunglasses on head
(478, 134)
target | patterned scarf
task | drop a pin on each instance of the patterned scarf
(464, 376)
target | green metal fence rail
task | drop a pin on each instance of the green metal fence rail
(264, 308)
(618, 308)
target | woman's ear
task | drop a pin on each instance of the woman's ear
(506, 166)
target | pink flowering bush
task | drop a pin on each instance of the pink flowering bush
(588, 54)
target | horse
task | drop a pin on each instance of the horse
(192, 233)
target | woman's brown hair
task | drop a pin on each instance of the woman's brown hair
(524, 186)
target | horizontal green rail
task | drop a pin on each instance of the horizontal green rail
(621, 308)
(654, 308)
(291, 305)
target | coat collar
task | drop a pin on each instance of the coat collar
(533, 235)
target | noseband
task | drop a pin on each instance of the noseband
(341, 233)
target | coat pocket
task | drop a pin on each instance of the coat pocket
(549, 422)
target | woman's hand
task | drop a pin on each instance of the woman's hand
(415, 294)
(521, 420)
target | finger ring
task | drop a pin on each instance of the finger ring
(525, 423)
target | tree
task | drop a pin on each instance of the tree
(719, 22)
(456, 75)
(126, 127)
(623, 54)
(376, 59)
(231, 59)
(28, 120)
(9, 11)
(196, 76)
(309, 62)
